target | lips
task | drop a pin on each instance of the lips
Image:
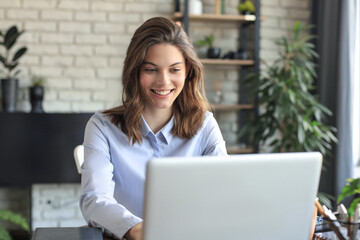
(162, 92)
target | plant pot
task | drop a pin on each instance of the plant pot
(195, 7)
(9, 93)
(213, 52)
(36, 99)
(246, 13)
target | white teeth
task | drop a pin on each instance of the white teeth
(162, 92)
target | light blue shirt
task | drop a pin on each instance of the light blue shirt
(113, 173)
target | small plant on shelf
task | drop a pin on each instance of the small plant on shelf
(9, 216)
(36, 91)
(37, 80)
(212, 52)
(246, 7)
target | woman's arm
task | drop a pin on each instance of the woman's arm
(97, 202)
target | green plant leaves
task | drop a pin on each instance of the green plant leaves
(9, 39)
(4, 234)
(352, 188)
(207, 41)
(6, 215)
(19, 53)
(12, 217)
(289, 110)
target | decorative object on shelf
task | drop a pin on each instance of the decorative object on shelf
(9, 82)
(37, 93)
(177, 5)
(246, 8)
(195, 7)
(212, 52)
(240, 54)
(9, 216)
(292, 117)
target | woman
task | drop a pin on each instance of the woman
(163, 114)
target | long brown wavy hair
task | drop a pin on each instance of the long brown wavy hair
(189, 107)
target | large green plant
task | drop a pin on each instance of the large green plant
(10, 61)
(6, 215)
(291, 119)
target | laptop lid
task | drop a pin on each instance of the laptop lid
(249, 196)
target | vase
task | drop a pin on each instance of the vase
(195, 7)
(9, 93)
(213, 52)
(36, 99)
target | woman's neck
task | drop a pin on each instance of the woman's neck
(157, 119)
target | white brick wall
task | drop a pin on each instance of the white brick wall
(56, 205)
(79, 46)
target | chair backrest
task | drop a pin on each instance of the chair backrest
(79, 157)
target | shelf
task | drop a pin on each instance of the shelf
(234, 107)
(227, 61)
(234, 150)
(218, 17)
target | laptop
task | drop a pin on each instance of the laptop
(248, 196)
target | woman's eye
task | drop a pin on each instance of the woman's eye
(175, 70)
(150, 70)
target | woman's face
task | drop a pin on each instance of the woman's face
(162, 76)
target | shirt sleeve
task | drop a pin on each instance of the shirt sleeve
(214, 141)
(97, 202)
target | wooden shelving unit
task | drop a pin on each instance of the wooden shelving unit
(234, 107)
(217, 17)
(227, 62)
(243, 107)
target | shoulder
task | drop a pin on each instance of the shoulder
(100, 120)
(209, 121)
(209, 118)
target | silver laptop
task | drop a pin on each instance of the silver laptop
(250, 197)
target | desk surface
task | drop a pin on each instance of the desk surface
(68, 233)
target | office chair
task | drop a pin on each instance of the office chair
(79, 157)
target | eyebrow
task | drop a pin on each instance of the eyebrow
(157, 65)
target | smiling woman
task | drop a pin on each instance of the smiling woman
(162, 78)
(164, 113)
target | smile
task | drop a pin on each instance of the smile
(162, 92)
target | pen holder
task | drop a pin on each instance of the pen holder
(351, 229)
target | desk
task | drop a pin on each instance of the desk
(69, 233)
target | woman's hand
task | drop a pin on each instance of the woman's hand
(135, 233)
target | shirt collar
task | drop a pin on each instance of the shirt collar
(165, 131)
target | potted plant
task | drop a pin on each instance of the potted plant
(37, 93)
(246, 7)
(352, 189)
(10, 62)
(212, 52)
(350, 217)
(9, 216)
(291, 119)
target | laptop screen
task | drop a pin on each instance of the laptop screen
(250, 196)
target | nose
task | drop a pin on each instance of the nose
(163, 78)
